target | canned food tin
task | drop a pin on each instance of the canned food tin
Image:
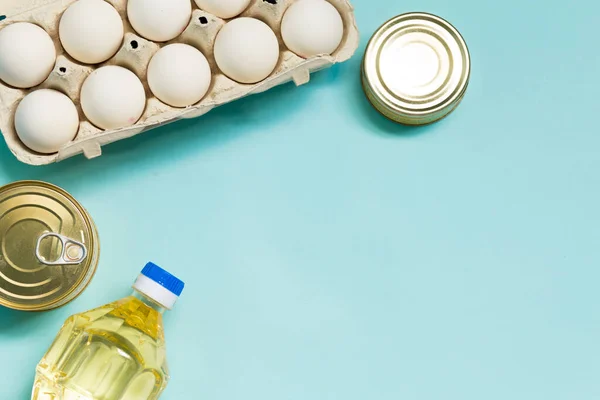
(416, 69)
(49, 246)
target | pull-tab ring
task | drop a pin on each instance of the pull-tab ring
(73, 252)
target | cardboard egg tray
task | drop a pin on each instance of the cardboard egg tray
(68, 75)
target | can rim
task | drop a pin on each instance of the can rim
(414, 116)
(83, 282)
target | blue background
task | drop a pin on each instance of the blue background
(331, 254)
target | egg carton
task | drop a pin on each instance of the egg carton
(68, 75)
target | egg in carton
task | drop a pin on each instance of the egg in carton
(136, 53)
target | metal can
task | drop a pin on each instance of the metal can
(416, 69)
(49, 246)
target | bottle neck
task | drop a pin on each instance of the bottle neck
(148, 301)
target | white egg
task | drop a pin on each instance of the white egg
(27, 55)
(246, 50)
(223, 8)
(91, 31)
(179, 75)
(113, 97)
(46, 120)
(312, 27)
(159, 20)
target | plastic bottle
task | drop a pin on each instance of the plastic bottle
(114, 352)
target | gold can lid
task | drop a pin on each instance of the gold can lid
(416, 68)
(48, 246)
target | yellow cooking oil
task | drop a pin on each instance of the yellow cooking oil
(114, 352)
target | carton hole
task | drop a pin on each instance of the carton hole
(270, 1)
(62, 69)
(134, 44)
(2, 17)
(203, 20)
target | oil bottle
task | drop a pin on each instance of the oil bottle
(114, 352)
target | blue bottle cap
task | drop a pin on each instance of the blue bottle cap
(163, 278)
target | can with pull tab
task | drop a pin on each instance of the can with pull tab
(49, 246)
